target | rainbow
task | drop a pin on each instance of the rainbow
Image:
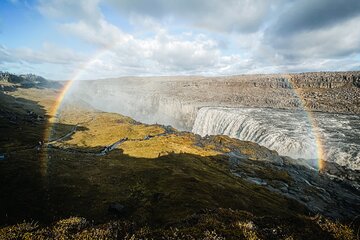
(54, 109)
(53, 112)
(320, 153)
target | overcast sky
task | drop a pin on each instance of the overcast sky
(63, 39)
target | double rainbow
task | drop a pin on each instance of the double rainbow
(320, 153)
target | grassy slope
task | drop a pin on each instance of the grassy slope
(189, 175)
(207, 225)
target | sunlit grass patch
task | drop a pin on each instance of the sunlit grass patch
(163, 145)
(106, 128)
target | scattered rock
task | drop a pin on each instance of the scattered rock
(117, 209)
(157, 197)
(335, 197)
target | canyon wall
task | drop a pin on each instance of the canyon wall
(176, 100)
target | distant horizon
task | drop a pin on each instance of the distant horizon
(205, 76)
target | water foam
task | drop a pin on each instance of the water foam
(287, 132)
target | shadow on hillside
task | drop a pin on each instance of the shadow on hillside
(153, 191)
(22, 122)
(23, 188)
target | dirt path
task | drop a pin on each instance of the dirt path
(72, 131)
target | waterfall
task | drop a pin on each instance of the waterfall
(288, 133)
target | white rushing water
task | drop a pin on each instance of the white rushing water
(290, 133)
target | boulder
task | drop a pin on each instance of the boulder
(117, 209)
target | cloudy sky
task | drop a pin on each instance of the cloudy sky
(64, 39)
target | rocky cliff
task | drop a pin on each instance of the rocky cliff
(176, 100)
(323, 91)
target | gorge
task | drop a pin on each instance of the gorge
(288, 113)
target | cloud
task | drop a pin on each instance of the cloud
(223, 16)
(100, 32)
(207, 37)
(70, 10)
(47, 54)
(311, 36)
(162, 54)
(337, 41)
(122, 53)
(50, 61)
(179, 54)
(309, 15)
(159, 53)
(5, 55)
(144, 24)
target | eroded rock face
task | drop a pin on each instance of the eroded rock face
(324, 79)
(356, 82)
